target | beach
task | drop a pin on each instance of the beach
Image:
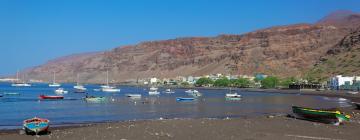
(263, 127)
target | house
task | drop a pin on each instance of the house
(342, 82)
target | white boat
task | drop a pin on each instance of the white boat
(154, 92)
(153, 88)
(20, 83)
(352, 92)
(169, 91)
(78, 86)
(133, 95)
(107, 87)
(111, 89)
(232, 95)
(54, 84)
(11, 93)
(60, 91)
(192, 91)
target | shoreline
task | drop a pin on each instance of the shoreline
(262, 127)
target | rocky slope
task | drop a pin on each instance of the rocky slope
(283, 50)
(342, 59)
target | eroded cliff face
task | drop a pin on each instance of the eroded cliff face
(283, 50)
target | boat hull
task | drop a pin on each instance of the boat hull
(36, 126)
(319, 115)
(184, 99)
(43, 97)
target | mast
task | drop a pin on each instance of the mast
(77, 79)
(107, 77)
(54, 77)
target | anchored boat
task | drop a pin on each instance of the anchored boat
(327, 116)
(50, 97)
(184, 99)
(94, 99)
(36, 125)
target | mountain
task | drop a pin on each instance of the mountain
(282, 50)
(342, 59)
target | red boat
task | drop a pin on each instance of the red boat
(50, 97)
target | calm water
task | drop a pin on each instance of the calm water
(73, 110)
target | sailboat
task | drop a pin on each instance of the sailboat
(107, 87)
(78, 86)
(20, 83)
(54, 84)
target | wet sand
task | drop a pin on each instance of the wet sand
(264, 127)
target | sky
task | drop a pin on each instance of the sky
(35, 31)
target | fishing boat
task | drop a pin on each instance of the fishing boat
(321, 115)
(78, 86)
(94, 99)
(54, 84)
(61, 91)
(36, 125)
(51, 97)
(133, 95)
(169, 91)
(184, 99)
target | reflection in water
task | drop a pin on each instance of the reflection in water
(211, 104)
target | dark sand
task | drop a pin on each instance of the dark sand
(262, 127)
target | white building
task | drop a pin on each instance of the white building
(339, 80)
(153, 80)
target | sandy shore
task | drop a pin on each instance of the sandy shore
(265, 127)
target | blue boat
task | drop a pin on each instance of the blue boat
(36, 125)
(184, 99)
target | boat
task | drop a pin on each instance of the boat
(352, 92)
(133, 95)
(20, 83)
(357, 105)
(232, 95)
(191, 91)
(36, 125)
(60, 91)
(107, 87)
(50, 97)
(321, 115)
(184, 99)
(153, 91)
(153, 88)
(169, 91)
(94, 99)
(1, 95)
(79, 91)
(78, 86)
(11, 93)
(54, 84)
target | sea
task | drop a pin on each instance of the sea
(20, 103)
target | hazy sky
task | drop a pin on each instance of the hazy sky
(35, 31)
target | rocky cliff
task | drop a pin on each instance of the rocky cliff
(283, 50)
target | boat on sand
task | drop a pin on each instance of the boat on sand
(321, 115)
(36, 125)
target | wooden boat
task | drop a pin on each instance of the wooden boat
(94, 99)
(327, 116)
(36, 125)
(184, 99)
(51, 97)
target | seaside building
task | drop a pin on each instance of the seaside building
(344, 82)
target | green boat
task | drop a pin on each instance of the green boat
(326, 116)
